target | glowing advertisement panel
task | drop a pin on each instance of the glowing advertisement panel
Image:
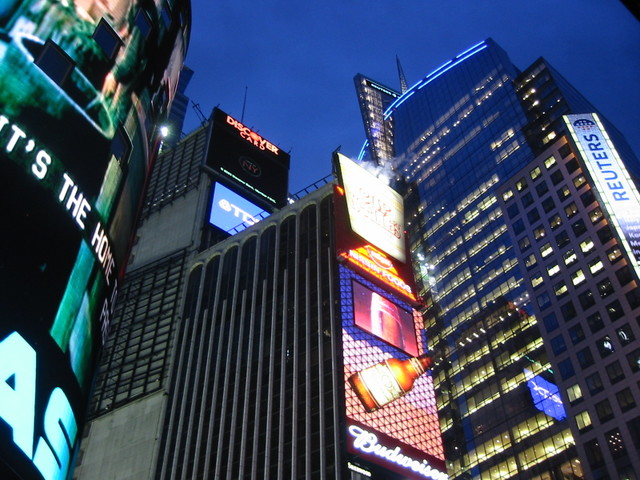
(231, 212)
(252, 162)
(76, 145)
(376, 211)
(614, 187)
(402, 432)
(545, 395)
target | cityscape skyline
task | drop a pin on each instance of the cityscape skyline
(248, 51)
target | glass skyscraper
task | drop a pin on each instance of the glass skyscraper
(457, 136)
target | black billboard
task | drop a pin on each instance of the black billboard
(79, 98)
(240, 155)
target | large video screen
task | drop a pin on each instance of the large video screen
(392, 418)
(249, 160)
(80, 92)
(232, 212)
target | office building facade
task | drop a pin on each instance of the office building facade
(459, 135)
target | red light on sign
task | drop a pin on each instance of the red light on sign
(376, 263)
(252, 137)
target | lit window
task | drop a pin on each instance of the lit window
(625, 334)
(614, 254)
(553, 269)
(524, 243)
(530, 261)
(574, 393)
(579, 181)
(546, 250)
(596, 215)
(535, 281)
(507, 195)
(569, 256)
(583, 420)
(595, 266)
(564, 193)
(539, 232)
(535, 173)
(577, 277)
(571, 209)
(555, 221)
(587, 245)
(550, 162)
(605, 346)
(521, 184)
(560, 289)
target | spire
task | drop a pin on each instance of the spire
(403, 80)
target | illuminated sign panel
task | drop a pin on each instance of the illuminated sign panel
(376, 211)
(74, 156)
(613, 184)
(231, 212)
(243, 156)
(402, 434)
(545, 395)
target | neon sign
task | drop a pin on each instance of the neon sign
(376, 263)
(368, 443)
(252, 137)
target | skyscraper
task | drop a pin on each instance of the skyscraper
(459, 135)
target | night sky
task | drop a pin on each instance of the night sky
(297, 60)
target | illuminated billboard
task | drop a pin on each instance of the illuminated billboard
(231, 212)
(82, 85)
(243, 156)
(392, 418)
(614, 188)
(376, 211)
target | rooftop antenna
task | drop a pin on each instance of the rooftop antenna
(198, 110)
(403, 79)
(244, 104)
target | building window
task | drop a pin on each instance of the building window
(634, 360)
(625, 399)
(555, 221)
(524, 244)
(625, 334)
(615, 443)
(548, 204)
(604, 410)
(576, 334)
(595, 266)
(586, 299)
(542, 188)
(587, 245)
(605, 346)
(595, 322)
(574, 393)
(578, 228)
(614, 254)
(526, 199)
(560, 289)
(546, 250)
(605, 234)
(553, 269)
(624, 275)
(614, 372)
(512, 210)
(518, 226)
(596, 215)
(562, 239)
(572, 165)
(605, 288)
(557, 177)
(535, 173)
(633, 297)
(577, 277)
(568, 311)
(569, 257)
(549, 162)
(579, 181)
(585, 359)
(594, 383)
(594, 454)
(587, 198)
(533, 215)
(530, 261)
(566, 369)
(539, 232)
(563, 193)
(583, 421)
(615, 310)
(550, 322)
(543, 300)
(521, 184)
(558, 345)
(536, 281)
(507, 195)
(571, 209)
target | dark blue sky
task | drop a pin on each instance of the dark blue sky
(298, 60)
